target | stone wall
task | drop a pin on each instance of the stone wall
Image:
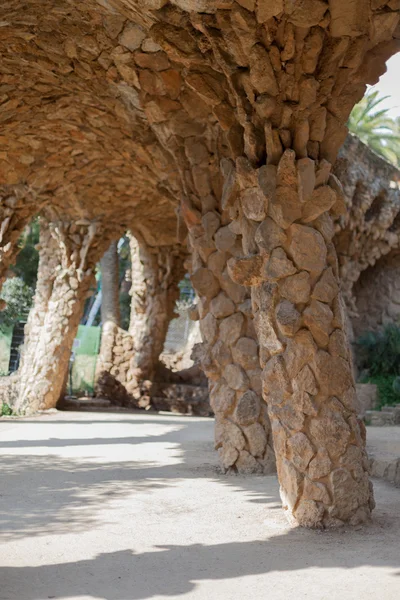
(370, 228)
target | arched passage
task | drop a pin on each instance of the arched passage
(238, 110)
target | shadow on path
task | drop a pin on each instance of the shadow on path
(174, 570)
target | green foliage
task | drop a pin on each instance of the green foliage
(18, 297)
(379, 352)
(124, 264)
(378, 355)
(375, 128)
(124, 309)
(26, 265)
(5, 410)
(387, 393)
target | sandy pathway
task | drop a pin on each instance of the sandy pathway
(132, 506)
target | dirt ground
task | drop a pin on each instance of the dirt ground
(132, 506)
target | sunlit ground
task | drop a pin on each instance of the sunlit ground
(132, 506)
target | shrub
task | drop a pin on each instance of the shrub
(5, 410)
(18, 297)
(378, 357)
(379, 352)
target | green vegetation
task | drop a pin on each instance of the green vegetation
(26, 265)
(379, 352)
(5, 410)
(18, 297)
(124, 255)
(84, 365)
(378, 357)
(375, 128)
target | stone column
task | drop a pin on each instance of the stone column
(110, 314)
(298, 314)
(230, 356)
(52, 328)
(49, 259)
(156, 272)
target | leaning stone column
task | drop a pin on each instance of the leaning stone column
(45, 360)
(49, 259)
(156, 273)
(298, 313)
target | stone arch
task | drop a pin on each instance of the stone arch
(128, 358)
(377, 294)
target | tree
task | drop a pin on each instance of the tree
(18, 298)
(26, 265)
(375, 128)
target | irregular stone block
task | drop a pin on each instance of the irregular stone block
(299, 451)
(320, 466)
(318, 318)
(287, 318)
(275, 381)
(307, 248)
(205, 283)
(309, 513)
(331, 431)
(235, 377)
(246, 271)
(224, 238)
(279, 265)
(245, 353)
(256, 439)
(299, 352)
(285, 208)
(253, 203)
(296, 288)
(221, 306)
(333, 374)
(248, 408)
(266, 333)
(269, 235)
(321, 201)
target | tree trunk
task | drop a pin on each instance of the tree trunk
(110, 314)
(62, 288)
(110, 285)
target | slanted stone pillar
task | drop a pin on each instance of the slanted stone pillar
(156, 272)
(298, 314)
(62, 288)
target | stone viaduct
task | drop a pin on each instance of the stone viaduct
(214, 123)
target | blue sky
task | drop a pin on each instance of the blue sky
(389, 85)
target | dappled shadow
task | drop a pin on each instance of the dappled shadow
(44, 493)
(173, 570)
(53, 494)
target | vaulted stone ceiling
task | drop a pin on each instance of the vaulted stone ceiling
(96, 95)
(69, 128)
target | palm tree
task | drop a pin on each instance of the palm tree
(375, 128)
